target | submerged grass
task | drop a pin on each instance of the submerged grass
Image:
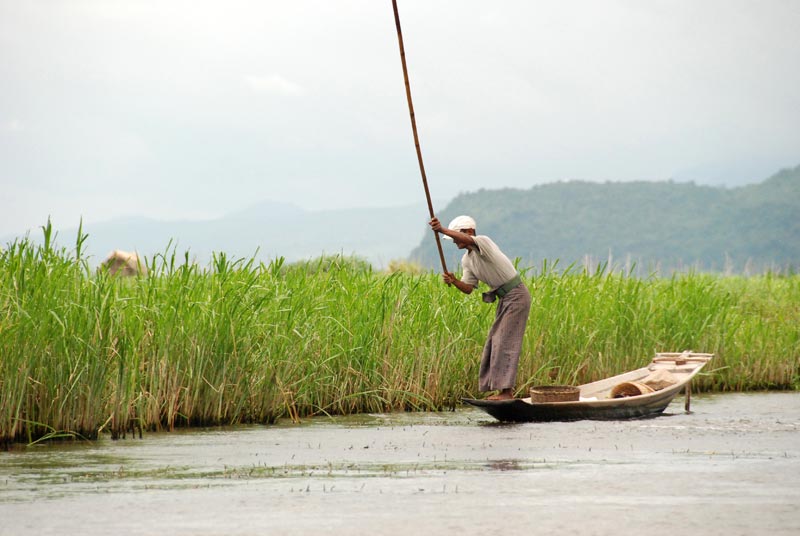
(83, 353)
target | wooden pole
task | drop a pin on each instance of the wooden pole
(414, 129)
(688, 397)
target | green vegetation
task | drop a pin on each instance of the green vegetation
(84, 353)
(654, 225)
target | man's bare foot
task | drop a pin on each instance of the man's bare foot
(505, 394)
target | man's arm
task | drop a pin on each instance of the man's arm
(450, 279)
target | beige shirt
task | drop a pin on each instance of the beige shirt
(486, 263)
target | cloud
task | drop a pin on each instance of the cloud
(274, 84)
(13, 125)
(170, 98)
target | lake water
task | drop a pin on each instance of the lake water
(731, 467)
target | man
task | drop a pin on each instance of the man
(483, 261)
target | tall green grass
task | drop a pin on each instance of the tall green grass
(242, 341)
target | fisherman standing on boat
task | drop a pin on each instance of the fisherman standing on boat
(483, 261)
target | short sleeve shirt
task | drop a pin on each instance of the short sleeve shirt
(486, 263)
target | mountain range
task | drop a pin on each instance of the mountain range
(265, 231)
(668, 225)
(652, 225)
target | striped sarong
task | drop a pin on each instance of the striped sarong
(501, 352)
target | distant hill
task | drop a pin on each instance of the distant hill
(377, 235)
(653, 224)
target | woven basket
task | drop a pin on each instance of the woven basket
(626, 389)
(555, 393)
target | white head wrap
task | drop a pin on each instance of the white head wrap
(460, 223)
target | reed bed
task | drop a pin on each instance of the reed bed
(85, 353)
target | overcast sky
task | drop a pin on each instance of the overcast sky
(193, 109)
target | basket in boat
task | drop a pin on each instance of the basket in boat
(626, 389)
(555, 393)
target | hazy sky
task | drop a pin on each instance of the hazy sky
(192, 109)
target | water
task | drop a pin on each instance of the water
(731, 467)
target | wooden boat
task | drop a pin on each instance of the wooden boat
(596, 401)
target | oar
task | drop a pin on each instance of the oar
(414, 129)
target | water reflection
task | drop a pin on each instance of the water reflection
(505, 465)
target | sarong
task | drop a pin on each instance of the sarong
(501, 352)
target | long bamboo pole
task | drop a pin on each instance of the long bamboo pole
(414, 129)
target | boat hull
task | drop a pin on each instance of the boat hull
(518, 410)
(598, 400)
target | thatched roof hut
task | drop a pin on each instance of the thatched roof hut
(123, 263)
